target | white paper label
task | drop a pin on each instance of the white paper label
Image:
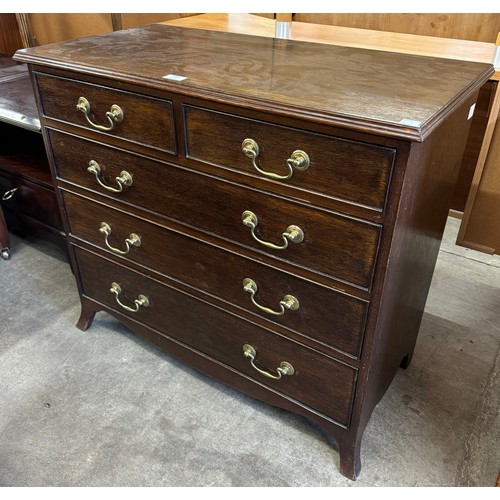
(410, 123)
(174, 78)
(471, 111)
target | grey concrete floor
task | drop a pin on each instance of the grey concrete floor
(103, 408)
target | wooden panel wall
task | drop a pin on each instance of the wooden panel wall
(479, 27)
(50, 28)
(133, 20)
(10, 38)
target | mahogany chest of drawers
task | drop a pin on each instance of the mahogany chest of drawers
(261, 209)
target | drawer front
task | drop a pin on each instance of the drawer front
(330, 317)
(319, 382)
(28, 198)
(339, 168)
(146, 120)
(336, 246)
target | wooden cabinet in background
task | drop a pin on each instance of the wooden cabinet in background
(27, 192)
(480, 228)
(475, 141)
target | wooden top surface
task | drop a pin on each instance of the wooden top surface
(406, 95)
(17, 102)
(448, 48)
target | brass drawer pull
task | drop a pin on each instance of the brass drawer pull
(124, 179)
(9, 194)
(284, 368)
(140, 301)
(289, 301)
(299, 160)
(114, 116)
(133, 239)
(292, 233)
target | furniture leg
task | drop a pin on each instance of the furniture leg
(350, 461)
(4, 237)
(405, 362)
(87, 315)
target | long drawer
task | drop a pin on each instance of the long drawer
(333, 318)
(144, 119)
(318, 382)
(336, 167)
(334, 245)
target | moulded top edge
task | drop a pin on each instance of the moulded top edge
(401, 95)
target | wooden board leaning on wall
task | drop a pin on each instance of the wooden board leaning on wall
(478, 27)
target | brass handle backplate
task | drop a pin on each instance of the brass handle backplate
(141, 301)
(288, 302)
(299, 160)
(9, 194)
(115, 115)
(292, 233)
(285, 368)
(133, 239)
(123, 180)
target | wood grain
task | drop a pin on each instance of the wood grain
(473, 146)
(59, 97)
(32, 209)
(411, 98)
(375, 39)
(10, 38)
(17, 101)
(481, 229)
(31, 199)
(4, 234)
(189, 207)
(56, 27)
(206, 328)
(487, 155)
(220, 274)
(336, 246)
(477, 27)
(353, 171)
(424, 198)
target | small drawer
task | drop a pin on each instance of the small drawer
(28, 198)
(318, 382)
(330, 317)
(334, 245)
(143, 119)
(334, 167)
